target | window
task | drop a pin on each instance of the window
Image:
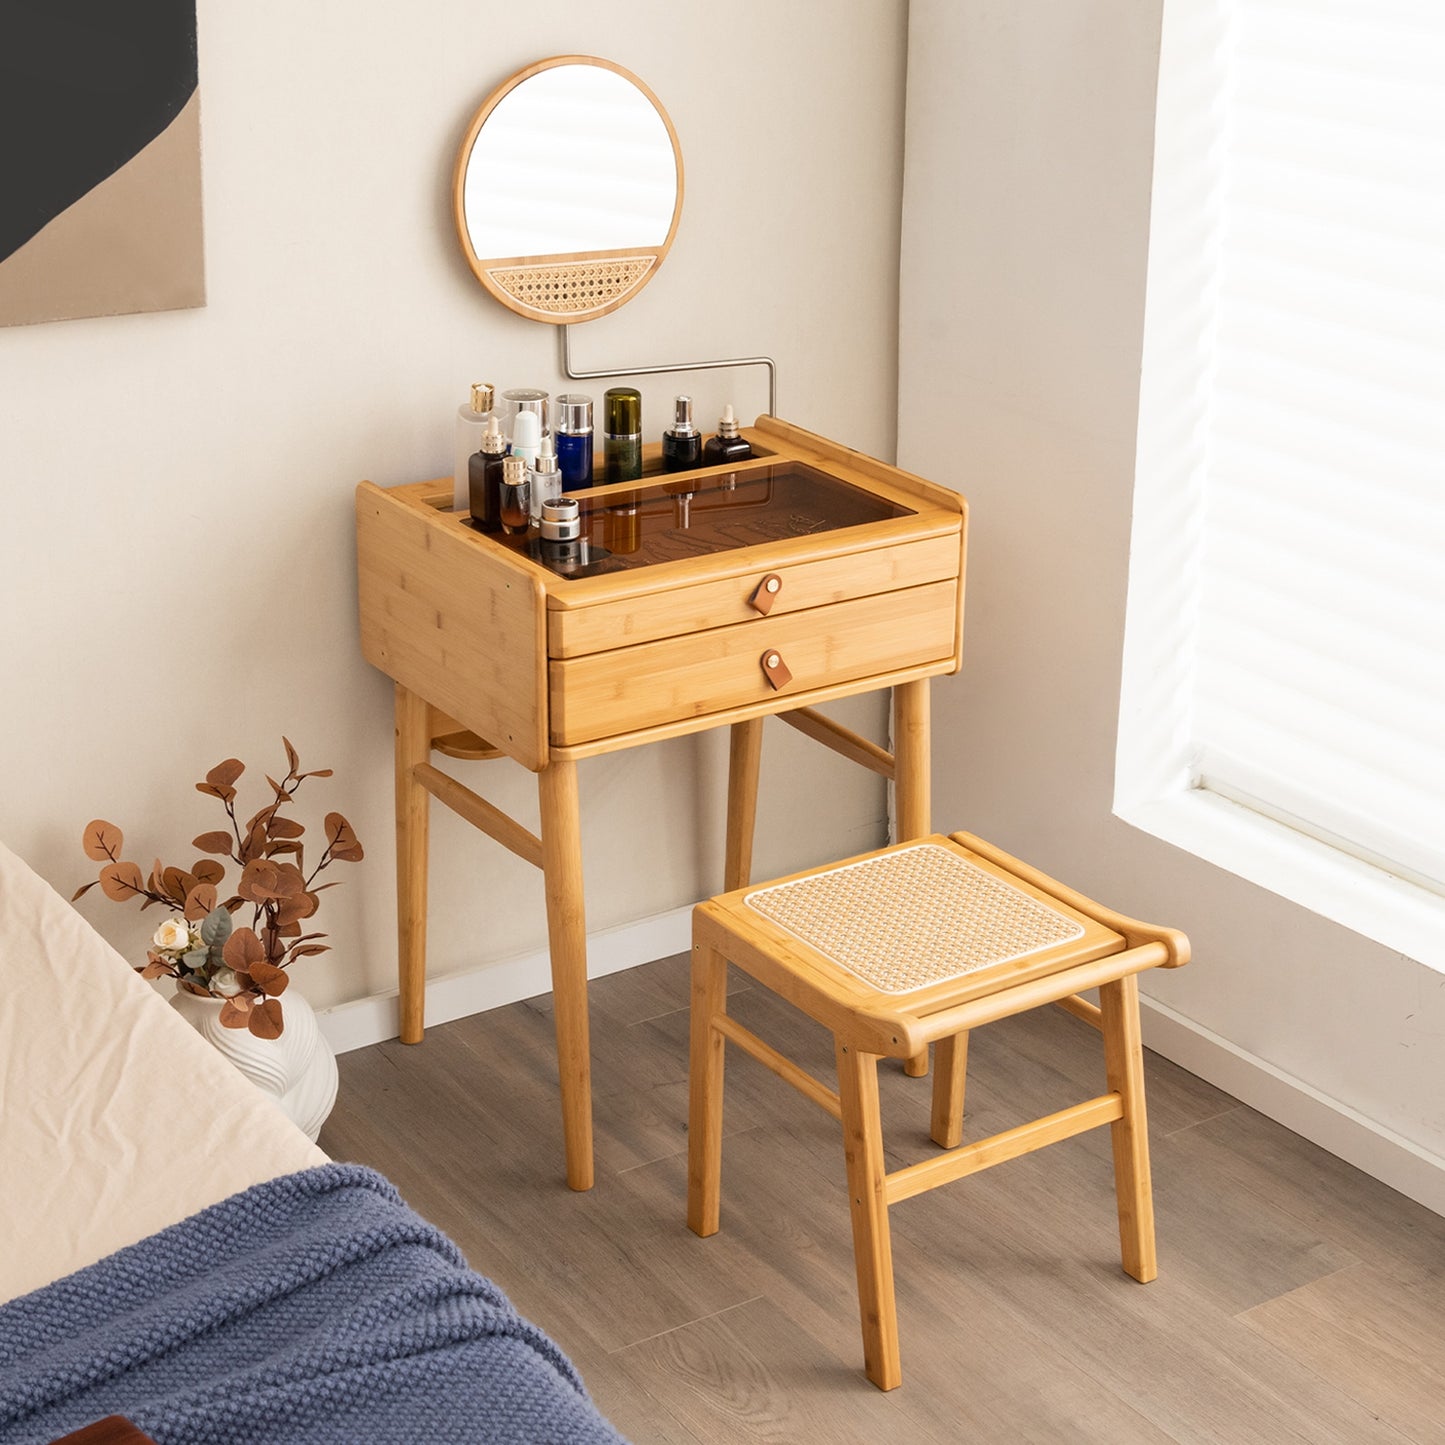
(1285, 658)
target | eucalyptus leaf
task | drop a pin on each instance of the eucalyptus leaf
(216, 926)
(196, 959)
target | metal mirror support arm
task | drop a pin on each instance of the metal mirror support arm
(565, 337)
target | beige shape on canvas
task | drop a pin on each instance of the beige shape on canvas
(132, 243)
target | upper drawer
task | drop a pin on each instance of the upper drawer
(676, 679)
(686, 610)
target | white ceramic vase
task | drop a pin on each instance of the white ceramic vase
(298, 1070)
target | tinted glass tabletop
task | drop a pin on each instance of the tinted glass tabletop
(680, 516)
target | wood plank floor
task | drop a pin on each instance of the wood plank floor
(1297, 1300)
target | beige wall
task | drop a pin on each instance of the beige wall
(176, 549)
(1026, 213)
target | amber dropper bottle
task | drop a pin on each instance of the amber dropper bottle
(484, 478)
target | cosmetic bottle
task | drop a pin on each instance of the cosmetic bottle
(572, 415)
(546, 479)
(471, 427)
(516, 496)
(622, 434)
(526, 437)
(681, 442)
(728, 445)
(484, 478)
(518, 399)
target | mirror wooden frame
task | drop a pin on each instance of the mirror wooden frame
(568, 286)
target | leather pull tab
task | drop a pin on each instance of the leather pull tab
(776, 670)
(766, 593)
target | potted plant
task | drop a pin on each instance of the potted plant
(240, 969)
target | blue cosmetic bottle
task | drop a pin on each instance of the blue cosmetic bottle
(572, 413)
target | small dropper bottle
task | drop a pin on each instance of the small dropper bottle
(546, 478)
(515, 510)
(681, 442)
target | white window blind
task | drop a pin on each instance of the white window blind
(1319, 678)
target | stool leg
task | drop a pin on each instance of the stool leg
(872, 1246)
(705, 1091)
(1124, 1063)
(745, 751)
(413, 746)
(950, 1072)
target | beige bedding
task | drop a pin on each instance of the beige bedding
(116, 1118)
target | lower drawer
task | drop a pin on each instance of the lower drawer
(680, 678)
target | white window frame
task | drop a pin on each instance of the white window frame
(1156, 773)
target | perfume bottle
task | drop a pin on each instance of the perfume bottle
(573, 414)
(471, 426)
(681, 442)
(547, 480)
(484, 478)
(622, 434)
(728, 445)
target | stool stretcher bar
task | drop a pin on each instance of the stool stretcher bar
(998, 1148)
(784, 1068)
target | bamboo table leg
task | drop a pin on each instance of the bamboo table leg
(413, 746)
(912, 786)
(745, 751)
(567, 936)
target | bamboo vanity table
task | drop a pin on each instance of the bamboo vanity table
(708, 598)
(692, 600)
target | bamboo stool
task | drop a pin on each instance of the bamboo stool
(895, 950)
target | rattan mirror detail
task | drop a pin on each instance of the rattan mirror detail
(568, 189)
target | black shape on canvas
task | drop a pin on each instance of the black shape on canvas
(85, 85)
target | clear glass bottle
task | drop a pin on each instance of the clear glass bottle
(547, 481)
(472, 418)
(518, 399)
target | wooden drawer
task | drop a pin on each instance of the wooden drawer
(690, 609)
(678, 678)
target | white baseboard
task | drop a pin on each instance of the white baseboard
(453, 996)
(1378, 1151)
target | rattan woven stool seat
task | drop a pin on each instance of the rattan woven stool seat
(918, 916)
(896, 950)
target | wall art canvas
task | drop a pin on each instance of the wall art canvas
(100, 169)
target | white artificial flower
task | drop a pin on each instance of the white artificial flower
(223, 983)
(173, 933)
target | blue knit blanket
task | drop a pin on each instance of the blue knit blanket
(315, 1308)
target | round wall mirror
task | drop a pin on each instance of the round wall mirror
(568, 189)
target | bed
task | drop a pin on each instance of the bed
(177, 1252)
